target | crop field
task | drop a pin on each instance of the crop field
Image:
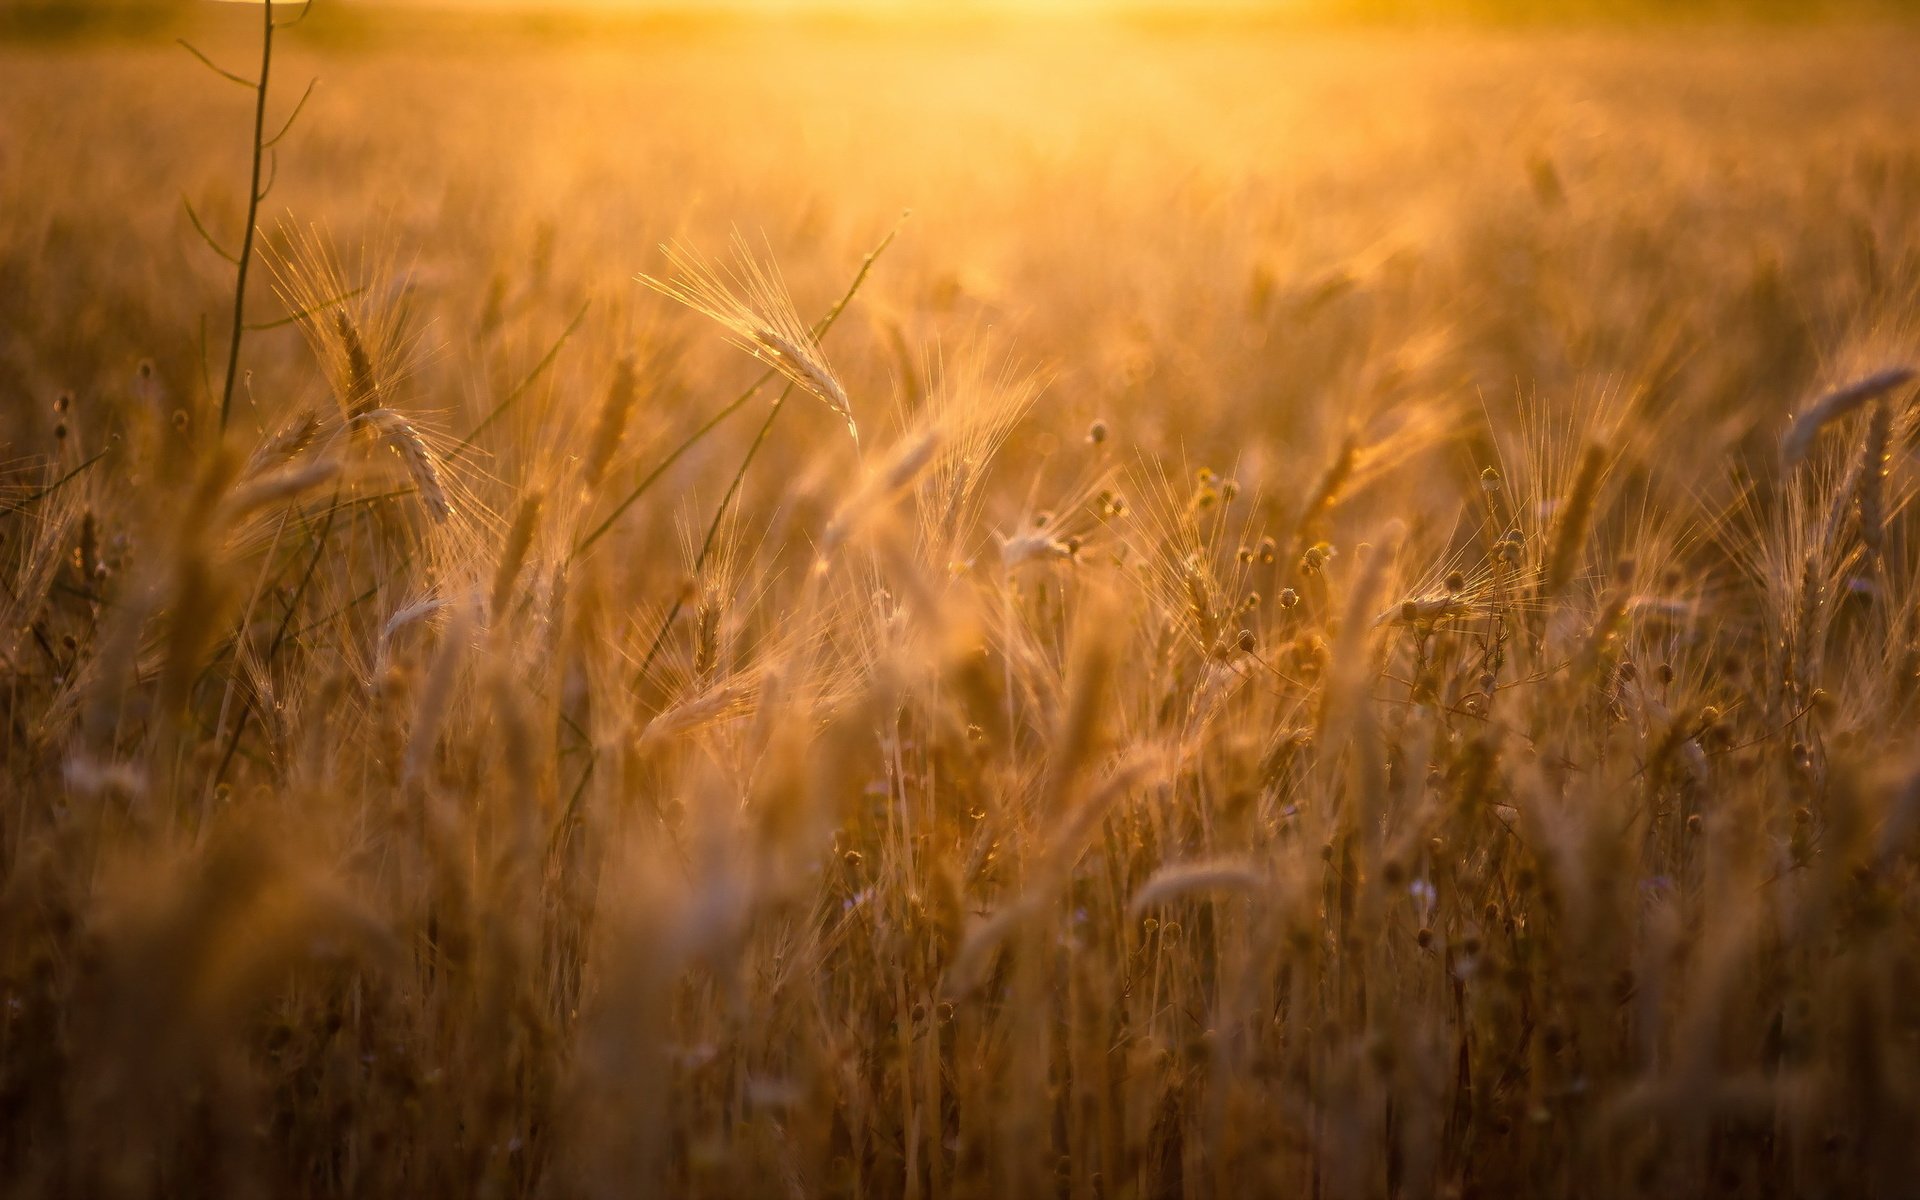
(986, 608)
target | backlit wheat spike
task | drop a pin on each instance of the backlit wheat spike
(1573, 520)
(363, 390)
(693, 713)
(271, 488)
(611, 424)
(287, 444)
(438, 695)
(1327, 492)
(1831, 407)
(901, 469)
(751, 305)
(1428, 609)
(402, 618)
(356, 320)
(514, 555)
(403, 439)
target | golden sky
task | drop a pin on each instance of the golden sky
(929, 7)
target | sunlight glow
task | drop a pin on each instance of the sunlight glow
(907, 8)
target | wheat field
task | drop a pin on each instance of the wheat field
(812, 609)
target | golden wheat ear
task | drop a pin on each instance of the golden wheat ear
(354, 316)
(404, 440)
(749, 301)
(1838, 403)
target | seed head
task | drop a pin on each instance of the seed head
(363, 389)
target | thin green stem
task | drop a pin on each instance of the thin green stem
(253, 216)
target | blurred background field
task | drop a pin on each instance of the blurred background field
(1142, 210)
